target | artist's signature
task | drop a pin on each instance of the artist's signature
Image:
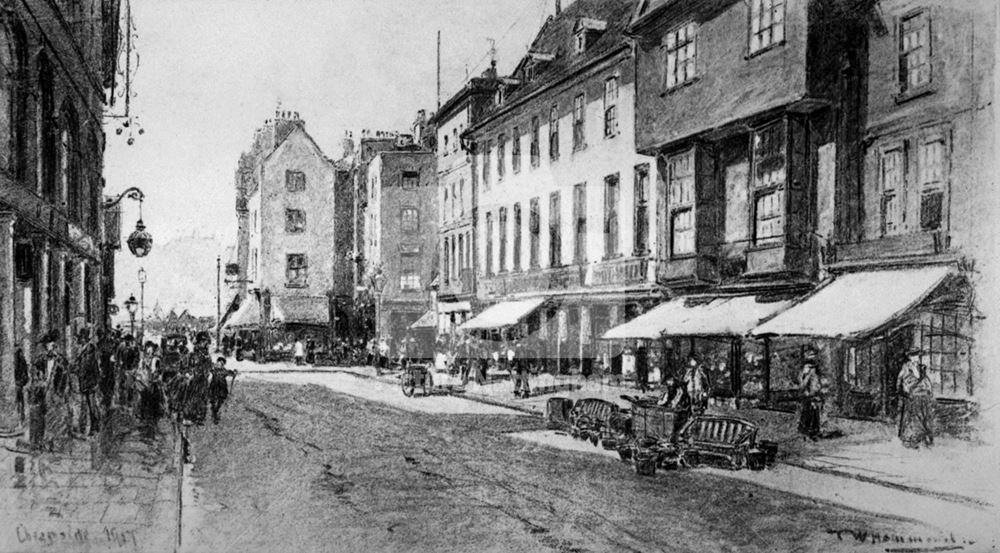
(72, 535)
(901, 543)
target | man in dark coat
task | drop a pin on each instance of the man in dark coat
(107, 346)
(218, 388)
(199, 367)
(126, 361)
(88, 374)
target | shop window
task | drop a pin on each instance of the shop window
(946, 345)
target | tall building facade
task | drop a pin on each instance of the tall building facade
(564, 205)
(287, 209)
(819, 167)
(457, 200)
(401, 230)
(57, 70)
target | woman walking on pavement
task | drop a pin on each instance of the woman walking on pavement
(812, 392)
(918, 418)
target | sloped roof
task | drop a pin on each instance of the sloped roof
(556, 38)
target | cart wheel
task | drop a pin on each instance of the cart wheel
(406, 382)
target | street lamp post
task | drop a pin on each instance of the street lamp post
(218, 302)
(378, 285)
(130, 305)
(142, 304)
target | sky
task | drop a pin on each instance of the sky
(210, 72)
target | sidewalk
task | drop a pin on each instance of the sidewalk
(61, 502)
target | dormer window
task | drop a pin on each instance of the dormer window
(586, 32)
(499, 96)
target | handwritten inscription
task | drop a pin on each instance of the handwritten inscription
(879, 538)
(117, 537)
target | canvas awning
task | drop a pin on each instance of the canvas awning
(699, 316)
(309, 310)
(503, 314)
(454, 306)
(427, 320)
(856, 304)
(247, 317)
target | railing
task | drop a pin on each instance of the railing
(630, 270)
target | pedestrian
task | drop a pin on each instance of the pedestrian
(218, 388)
(149, 387)
(918, 419)
(812, 394)
(697, 384)
(677, 399)
(383, 355)
(299, 351)
(50, 369)
(88, 375)
(126, 361)
(311, 351)
(198, 369)
(21, 379)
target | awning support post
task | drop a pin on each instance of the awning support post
(767, 371)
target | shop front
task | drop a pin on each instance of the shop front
(864, 324)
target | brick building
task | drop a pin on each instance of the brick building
(564, 204)
(57, 70)
(400, 234)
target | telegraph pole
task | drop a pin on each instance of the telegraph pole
(218, 301)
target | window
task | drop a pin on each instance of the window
(453, 270)
(681, 50)
(769, 217)
(767, 24)
(461, 196)
(611, 197)
(892, 177)
(296, 270)
(580, 41)
(641, 222)
(461, 252)
(536, 154)
(409, 219)
(555, 231)
(554, 133)
(534, 231)
(295, 221)
(501, 156)
(580, 223)
(409, 272)
(768, 178)
(682, 232)
(579, 138)
(454, 199)
(611, 107)
(933, 162)
(502, 219)
(515, 150)
(410, 180)
(914, 52)
(945, 339)
(681, 195)
(445, 147)
(486, 163)
(446, 268)
(295, 181)
(489, 243)
(454, 140)
(517, 237)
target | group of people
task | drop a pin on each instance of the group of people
(61, 398)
